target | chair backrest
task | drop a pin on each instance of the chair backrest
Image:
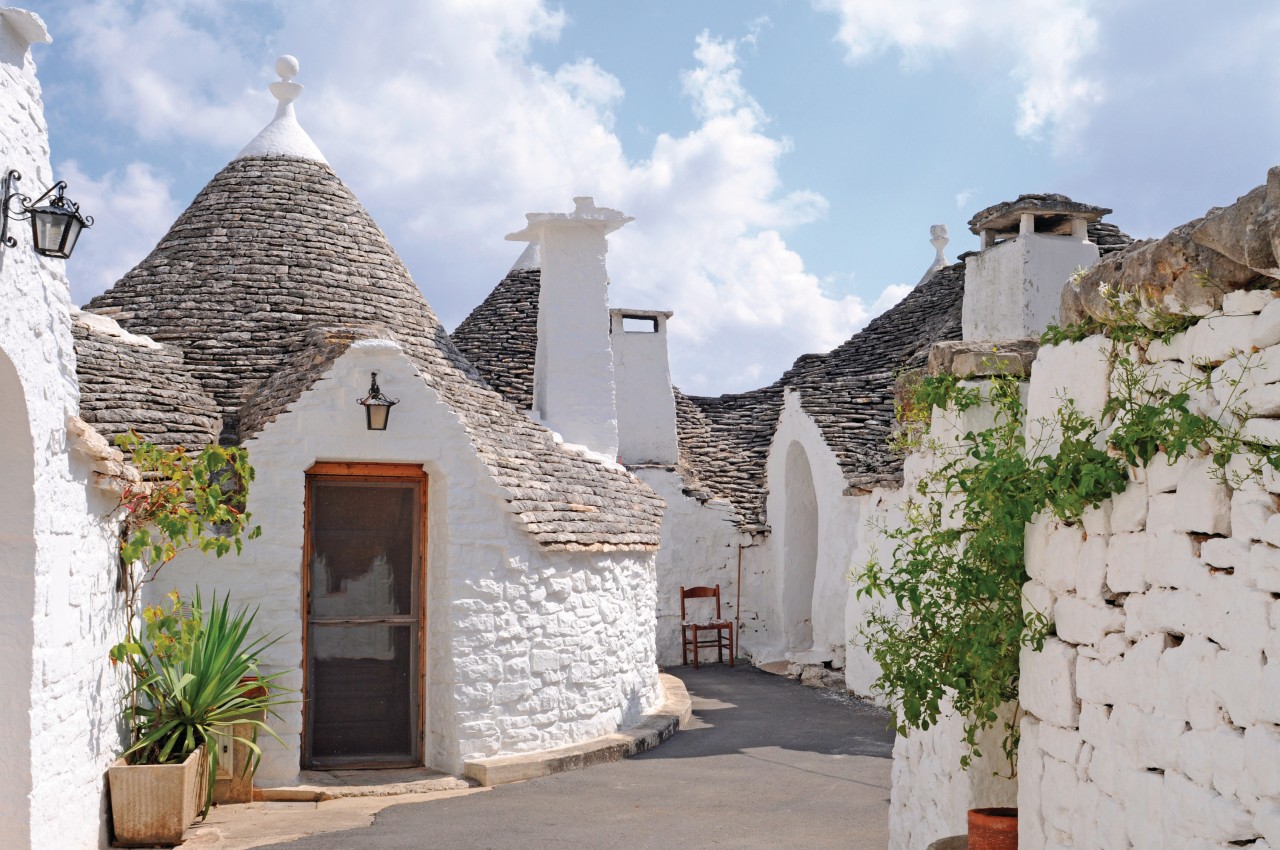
(699, 593)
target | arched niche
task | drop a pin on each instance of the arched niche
(799, 550)
(17, 577)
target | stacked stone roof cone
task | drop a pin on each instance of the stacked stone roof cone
(275, 267)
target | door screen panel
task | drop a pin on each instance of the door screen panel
(364, 571)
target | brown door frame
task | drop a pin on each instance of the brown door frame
(375, 472)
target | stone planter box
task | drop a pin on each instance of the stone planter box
(155, 803)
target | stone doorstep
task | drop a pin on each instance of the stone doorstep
(654, 728)
(317, 786)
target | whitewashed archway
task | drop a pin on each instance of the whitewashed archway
(17, 577)
(799, 550)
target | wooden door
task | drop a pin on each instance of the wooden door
(364, 579)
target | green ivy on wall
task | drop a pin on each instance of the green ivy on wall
(957, 567)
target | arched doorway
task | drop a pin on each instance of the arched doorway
(799, 551)
(17, 577)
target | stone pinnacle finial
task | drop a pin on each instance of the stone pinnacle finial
(938, 239)
(286, 91)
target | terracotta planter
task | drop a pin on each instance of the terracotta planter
(993, 829)
(155, 803)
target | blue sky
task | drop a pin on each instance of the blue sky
(784, 159)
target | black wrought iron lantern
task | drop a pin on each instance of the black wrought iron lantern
(377, 407)
(55, 227)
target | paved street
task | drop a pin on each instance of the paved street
(767, 764)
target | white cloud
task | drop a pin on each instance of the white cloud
(437, 117)
(1043, 43)
(892, 295)
(131, 209)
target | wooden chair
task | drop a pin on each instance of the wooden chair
(716, 632)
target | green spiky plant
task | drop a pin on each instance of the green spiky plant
(195, 675)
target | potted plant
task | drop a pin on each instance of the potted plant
(195, 675)
(184, 654)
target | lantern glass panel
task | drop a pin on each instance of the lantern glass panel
(378, 415)
(54, 232)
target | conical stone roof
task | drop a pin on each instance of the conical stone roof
(275, 249)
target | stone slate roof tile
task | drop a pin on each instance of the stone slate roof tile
(125, 385)
(500, 337)
(275, 248)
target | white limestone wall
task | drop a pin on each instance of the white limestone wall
(526, 649)
(801, 542)
(700, 545)
(646, 403)
(1013, 289)
(1155, 710)
(58, 612)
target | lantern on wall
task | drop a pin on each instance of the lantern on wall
(377, 407)
(55, 227)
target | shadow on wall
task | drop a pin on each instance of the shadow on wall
(757, 710)
(17, 554)
(799, 551)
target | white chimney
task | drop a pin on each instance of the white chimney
(646, 403)
(1030, 249)
(573, 376)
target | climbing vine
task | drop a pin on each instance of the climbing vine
(957, 568)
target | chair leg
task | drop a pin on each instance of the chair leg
(684, 644)
(695, 647)
(732, 650)
(719, 646)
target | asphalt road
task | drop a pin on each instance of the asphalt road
(767, 763)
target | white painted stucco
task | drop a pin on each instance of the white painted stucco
(573, 377)
(700, 547)
(1013, 289)
(59, 613)
(809, 555)
(527, 649)
(646, 403)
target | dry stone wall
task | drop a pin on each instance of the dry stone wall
(1154, 711)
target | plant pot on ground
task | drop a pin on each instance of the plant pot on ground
(993, 829)
(153, 804)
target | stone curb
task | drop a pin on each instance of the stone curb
(655, 727)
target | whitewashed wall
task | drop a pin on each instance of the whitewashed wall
(1156, 708)
(809, 550)
(1012, 290)
(58, 614)
(526, 649)
(699, 547)
(61, 610)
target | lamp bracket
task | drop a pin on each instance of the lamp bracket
(375, 395)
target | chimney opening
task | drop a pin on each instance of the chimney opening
(639, 324)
